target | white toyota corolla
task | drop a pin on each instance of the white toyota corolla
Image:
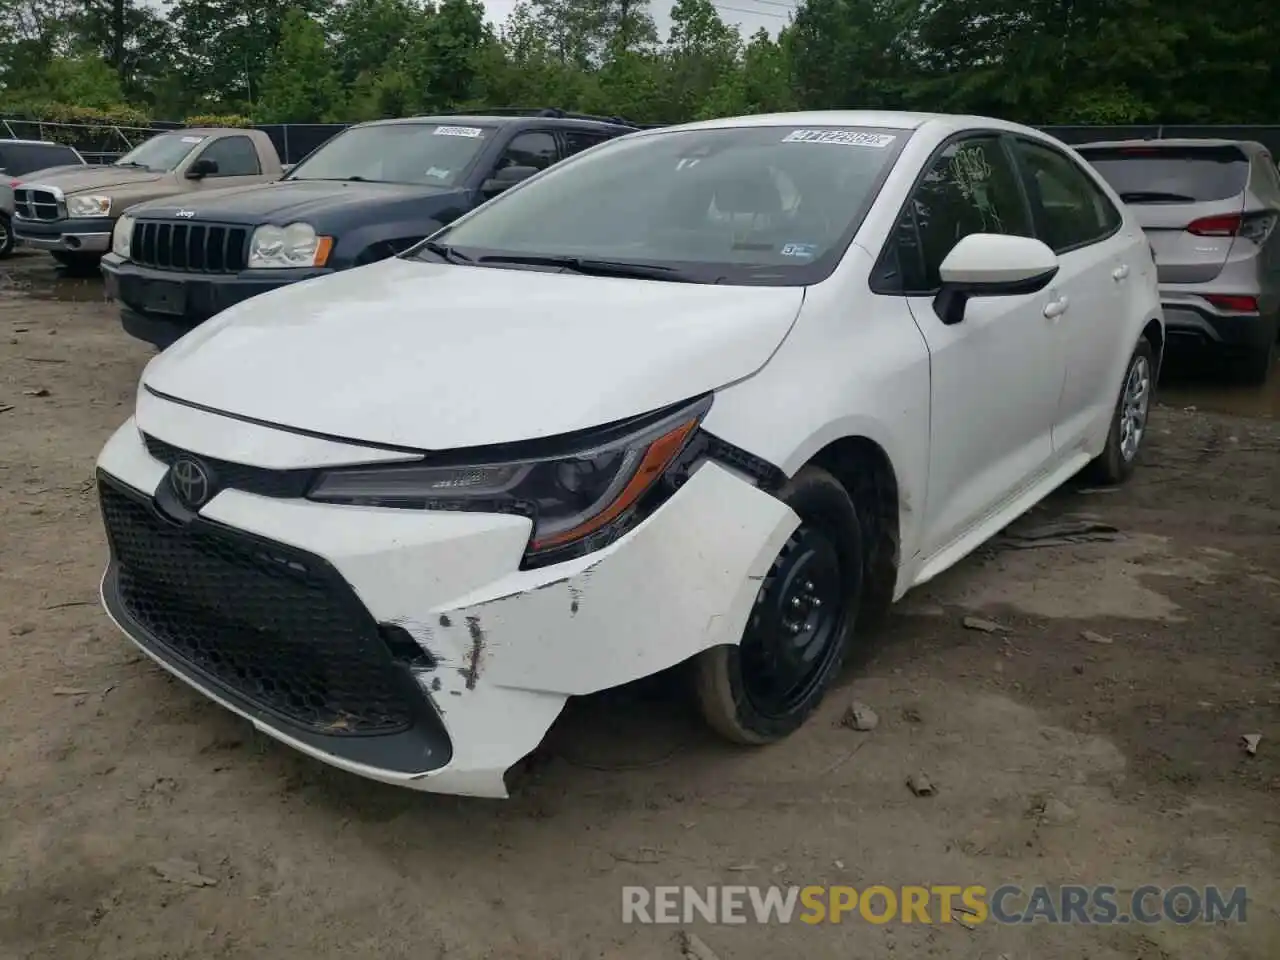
(710, 396)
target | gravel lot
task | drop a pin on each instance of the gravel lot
(108, 767)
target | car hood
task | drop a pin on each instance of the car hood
(79, 179)
(435, 356)
(286, 201)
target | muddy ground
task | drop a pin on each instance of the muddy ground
(1056, 758)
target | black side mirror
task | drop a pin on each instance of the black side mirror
(506, 178)
(202, 168)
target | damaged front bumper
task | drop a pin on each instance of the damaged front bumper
(408, 646)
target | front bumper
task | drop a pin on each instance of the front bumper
(159, 306)
(502, 648)
(85, 235)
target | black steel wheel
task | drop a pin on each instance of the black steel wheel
(796, 636)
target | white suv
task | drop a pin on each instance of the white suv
(710, 395)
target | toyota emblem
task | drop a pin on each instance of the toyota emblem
(191, 482)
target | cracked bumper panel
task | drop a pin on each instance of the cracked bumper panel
(509, 646)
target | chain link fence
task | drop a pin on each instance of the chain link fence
(105, 142)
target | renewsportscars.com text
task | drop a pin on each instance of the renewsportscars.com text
(969, 905)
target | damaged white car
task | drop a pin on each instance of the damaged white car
(709, 396)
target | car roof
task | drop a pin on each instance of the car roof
(941, 123)
(493, 120)
(33, 143)
(1249, 146)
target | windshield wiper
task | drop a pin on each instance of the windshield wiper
(1154, 196)
(130, 163)
(446, 252)
(592, 267)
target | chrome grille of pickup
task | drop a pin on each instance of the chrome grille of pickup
(192, 247)
(33, 204)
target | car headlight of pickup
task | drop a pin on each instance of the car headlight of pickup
(89, 206)
(121, 235)
(579, 498)
(296, 245)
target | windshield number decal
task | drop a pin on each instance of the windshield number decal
(472, 133)
(437, 174)
(847, 138)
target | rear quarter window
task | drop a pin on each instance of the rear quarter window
(1145, 173)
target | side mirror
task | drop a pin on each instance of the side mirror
(992, 265)
(202, 168)
(506, 178)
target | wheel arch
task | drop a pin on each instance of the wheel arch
(866, 470)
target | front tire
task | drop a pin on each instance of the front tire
(1128, 420)
(6, 237)
(78, 264)
(795, 639)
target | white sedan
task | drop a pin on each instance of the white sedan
(711, 396)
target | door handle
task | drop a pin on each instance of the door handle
(1120, 272)
(1055, 308)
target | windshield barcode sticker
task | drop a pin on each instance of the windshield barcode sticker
(472, 132)
(849, 138)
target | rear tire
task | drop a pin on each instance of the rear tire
(1255, 366)
(1128, 420)
(796, 637)
(6, 237)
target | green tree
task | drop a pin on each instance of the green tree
(300, 85)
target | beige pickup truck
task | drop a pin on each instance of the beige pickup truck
(71, 213)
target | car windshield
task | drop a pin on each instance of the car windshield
(1154, 174)
(163, 153)
(432, 154)
(751, 204)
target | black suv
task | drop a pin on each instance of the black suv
(370, 192)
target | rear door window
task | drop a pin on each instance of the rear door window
(1184, 174)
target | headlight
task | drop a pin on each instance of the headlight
(578, 500)
(121, 235)
(88, 206)
(296, 245)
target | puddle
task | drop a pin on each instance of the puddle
(51, 284)
(1192, 382)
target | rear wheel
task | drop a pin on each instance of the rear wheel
(1255, 366)
(1129, 419)
(6, 236)
(795, 639)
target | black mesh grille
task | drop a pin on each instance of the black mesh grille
(278, 627)
(239, 476)
(192, 247)
(36, 204)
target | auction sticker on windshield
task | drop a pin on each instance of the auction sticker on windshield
(471, 132)
(192, 139)
(849, 138)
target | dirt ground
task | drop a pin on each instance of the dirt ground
(1056, 758)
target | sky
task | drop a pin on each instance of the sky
(749, 15)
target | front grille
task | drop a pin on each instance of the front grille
(275, 626)
(33, 204)
(193, 247)
(238, 476)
